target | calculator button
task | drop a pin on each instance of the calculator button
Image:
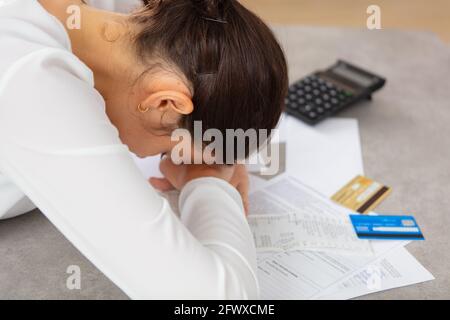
(302, 110)
(312, 115)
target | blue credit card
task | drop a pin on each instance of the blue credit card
(386, 227)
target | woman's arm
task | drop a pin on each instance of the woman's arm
(58, 146)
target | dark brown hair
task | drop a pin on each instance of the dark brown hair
(231, 58)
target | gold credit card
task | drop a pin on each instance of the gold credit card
(361, 194)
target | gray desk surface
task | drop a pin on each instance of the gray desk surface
(405, 134)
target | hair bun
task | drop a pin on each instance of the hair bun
(214, 9)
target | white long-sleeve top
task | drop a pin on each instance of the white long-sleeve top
(58, 147)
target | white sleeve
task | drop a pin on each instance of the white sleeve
(58, 146)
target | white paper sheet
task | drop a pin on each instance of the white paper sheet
(397, 268)
(303, 231)
(326, 274)
(313, 222)
(304, 274)
(148, 166)
(324, 157)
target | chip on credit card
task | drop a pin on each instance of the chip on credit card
(386, 227)
(361, 194)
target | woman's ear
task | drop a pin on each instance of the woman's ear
(166, 100)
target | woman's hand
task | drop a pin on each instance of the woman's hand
(176, 176)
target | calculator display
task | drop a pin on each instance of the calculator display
(325, 92)
(356, 77)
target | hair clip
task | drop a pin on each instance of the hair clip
(206, 73)
(215, 20)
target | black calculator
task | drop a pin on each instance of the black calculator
(324, 93)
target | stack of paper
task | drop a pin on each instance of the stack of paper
(324, 273)
(325, 158)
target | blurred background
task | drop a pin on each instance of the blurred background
(428, 15)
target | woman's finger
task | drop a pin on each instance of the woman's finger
(241, 182)
(172, 172)
(244, 196)
(242, 188)
(161, 184)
